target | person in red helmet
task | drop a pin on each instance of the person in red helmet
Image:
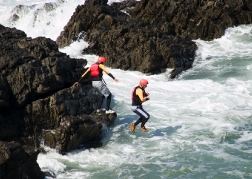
(138, 97)
(96, 70)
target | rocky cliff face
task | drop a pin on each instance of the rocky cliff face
(18, 161)
(149, 35)
(38, 103)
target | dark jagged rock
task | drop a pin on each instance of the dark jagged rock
(18, 161)
(78, 131)
(149, 35)
(37, 96)
(4, 95)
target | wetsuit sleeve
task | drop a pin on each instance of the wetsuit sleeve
(106, 71)
(139, 93)
(84, 74)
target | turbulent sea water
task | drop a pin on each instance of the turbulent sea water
(200, 124)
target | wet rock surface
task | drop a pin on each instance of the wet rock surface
(149, 35)
(37, 98)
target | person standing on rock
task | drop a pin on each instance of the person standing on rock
(138, 97)
(96, 72)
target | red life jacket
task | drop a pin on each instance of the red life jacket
(133, 93)
(94, 69)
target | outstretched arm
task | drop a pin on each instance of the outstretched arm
(108, 73)
(82, 76)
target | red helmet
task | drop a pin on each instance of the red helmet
(143, 82)
(101, 60)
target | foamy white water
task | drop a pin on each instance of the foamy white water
(38, 17)
(200, 125)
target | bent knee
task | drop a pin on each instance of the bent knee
(108, 95)
(147, 117)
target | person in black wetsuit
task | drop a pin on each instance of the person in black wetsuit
(138, 97)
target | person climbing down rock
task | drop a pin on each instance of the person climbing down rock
(138, 97)
(96, 72)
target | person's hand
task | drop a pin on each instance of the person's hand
(76, 84)
(116, 80)
(147, 97)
